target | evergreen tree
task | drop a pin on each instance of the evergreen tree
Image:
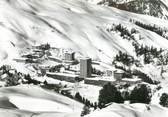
(109, 93)
(78, 97)
(164, 100)
(45, 82)
(85, 111)
(140, 94)
(95, 105)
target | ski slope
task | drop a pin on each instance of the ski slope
(133, 110)
(69, 24)
(28, 99)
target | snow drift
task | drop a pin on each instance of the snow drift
(134, 110)
(26, 100)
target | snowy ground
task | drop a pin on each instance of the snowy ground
(90, 92)
(134, 110)
(24, 23)
(32, 99)
(68, 24)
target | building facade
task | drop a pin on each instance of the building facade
(69, 56)
(118, 75)
(85, 67)
(64, 77)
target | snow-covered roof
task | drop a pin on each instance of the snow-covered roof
(63, 74)
(119, 71)
(85, 58)
(104, 78)
(131, 79)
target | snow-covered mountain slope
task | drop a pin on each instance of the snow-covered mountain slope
(69, 24)
(157, 8)
(28, 101)
(33, 98)
(134, 110)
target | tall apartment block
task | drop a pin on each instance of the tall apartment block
(85, 67)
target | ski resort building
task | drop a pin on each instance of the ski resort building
(64, 77)
(99, 81)
(109, 72)
(85, 67)
(118, 74)
(69, 56)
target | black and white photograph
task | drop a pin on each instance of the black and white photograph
(83, 58)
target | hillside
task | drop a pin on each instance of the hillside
(156, 8)
(26, 22)
(30, 101)
(134, 110)
(124, 39)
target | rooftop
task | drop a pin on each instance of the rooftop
(102, 78)
(63, 74)
(119, 71)
(69, 52)
(85, 58)
(131, 79)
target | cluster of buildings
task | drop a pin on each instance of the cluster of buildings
(71, 70)
(84, 72)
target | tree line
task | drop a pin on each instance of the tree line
(110, 93)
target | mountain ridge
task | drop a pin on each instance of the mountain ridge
(156, 8)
